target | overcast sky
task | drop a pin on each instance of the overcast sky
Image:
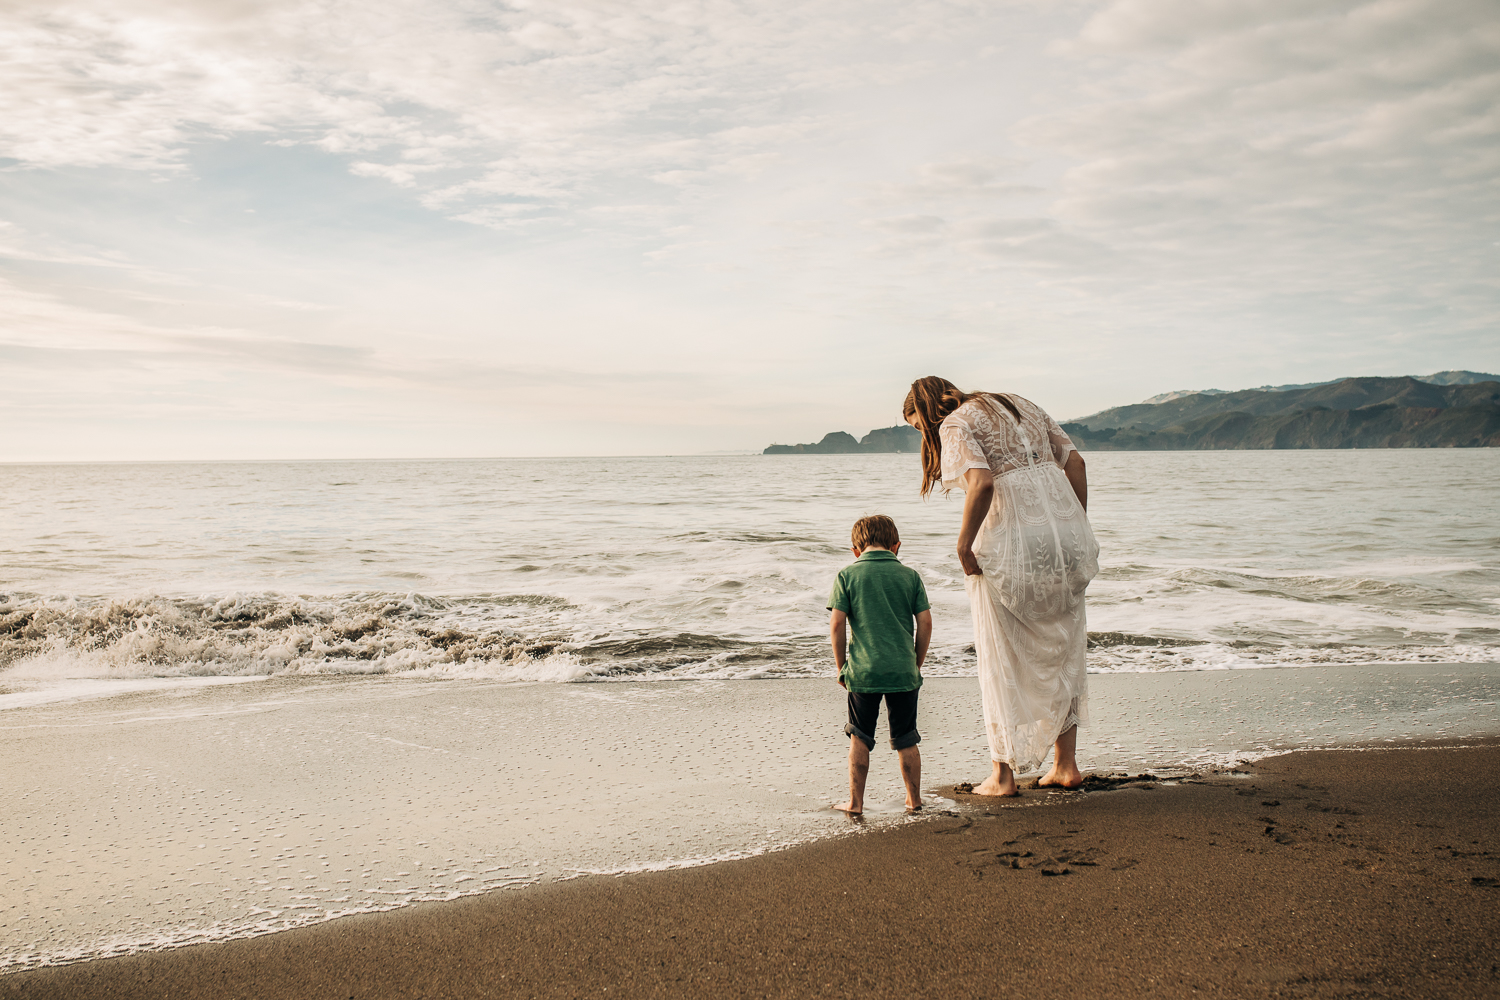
(363, 228)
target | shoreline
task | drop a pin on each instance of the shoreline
(1315, 872)
(230, 812)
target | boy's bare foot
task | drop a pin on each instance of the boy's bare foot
(998, 788)
(849, 809)
(1062, 777)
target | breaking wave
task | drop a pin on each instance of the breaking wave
(265, 634)
(526, 638)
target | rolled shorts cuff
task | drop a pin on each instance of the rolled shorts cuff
(850, 730)
(910, 739)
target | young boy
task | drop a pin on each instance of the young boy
(879, 598)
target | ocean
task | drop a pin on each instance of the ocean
(236, 697)
(673, 568)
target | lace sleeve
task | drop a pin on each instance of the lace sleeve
(1058, 438)
(961, 451)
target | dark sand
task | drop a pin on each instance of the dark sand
(1322, 874)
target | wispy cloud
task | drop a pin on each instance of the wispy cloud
(495, 112)
(1297, 173)
(1333, 145)
(692, 212)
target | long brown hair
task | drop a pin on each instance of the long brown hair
(930, 400)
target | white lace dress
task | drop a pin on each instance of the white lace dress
(1038, 554)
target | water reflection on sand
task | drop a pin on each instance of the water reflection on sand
(161, 817)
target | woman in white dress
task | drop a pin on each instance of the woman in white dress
(1028, 554)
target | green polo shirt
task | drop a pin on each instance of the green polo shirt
(881, 597)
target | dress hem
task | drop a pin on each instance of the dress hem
(1072, 720)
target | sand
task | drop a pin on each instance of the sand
(156, 818)
(1333, 873)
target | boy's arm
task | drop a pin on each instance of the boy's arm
(839, 637)
(924, 635)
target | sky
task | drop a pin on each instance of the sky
(429, 228)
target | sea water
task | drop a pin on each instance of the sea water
(673, 568)
(241, 697)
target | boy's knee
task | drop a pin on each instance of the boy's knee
(862, 736)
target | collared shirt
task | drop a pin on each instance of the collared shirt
(881, 598)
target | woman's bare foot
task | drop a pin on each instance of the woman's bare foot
(1001, 783)
(1062, 777)
(1001, 789)
(849, 809)
(1064, 773)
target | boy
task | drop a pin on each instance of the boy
(879, 598)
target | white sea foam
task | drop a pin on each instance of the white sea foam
(252, 921)
(711, 568)
(344, 590)
(72, 646)
(77, 689)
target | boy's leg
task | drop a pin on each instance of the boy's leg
(904, 739)
(859, 770)
(911, 776)
(864, 710)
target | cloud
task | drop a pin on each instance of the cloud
(911, 224)
(1294, 126)
(66, 359)
(646, 203)
(967, 178)
(1331, 165)
(496, 113)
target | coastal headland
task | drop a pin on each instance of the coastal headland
(1457, 409)
(1401, 412)
(1370, 872)
(881, 440)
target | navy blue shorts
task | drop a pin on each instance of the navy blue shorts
(901, 709)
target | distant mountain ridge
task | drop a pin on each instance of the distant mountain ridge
(881, 440)
(1436, 378)
(1451, 409)
(1454, 409)
(1457, 378)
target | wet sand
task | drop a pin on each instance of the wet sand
(1332, 873)
(168, 817)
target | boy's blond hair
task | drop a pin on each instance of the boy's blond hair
(877, 529)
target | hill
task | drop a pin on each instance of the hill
(1452, 409)
(1436, 378)
(886, 440)
(1460, 411)
(1458, 378)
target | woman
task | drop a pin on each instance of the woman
(1028, 553)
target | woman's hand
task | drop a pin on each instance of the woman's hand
(979, 490)
(1078, 478)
